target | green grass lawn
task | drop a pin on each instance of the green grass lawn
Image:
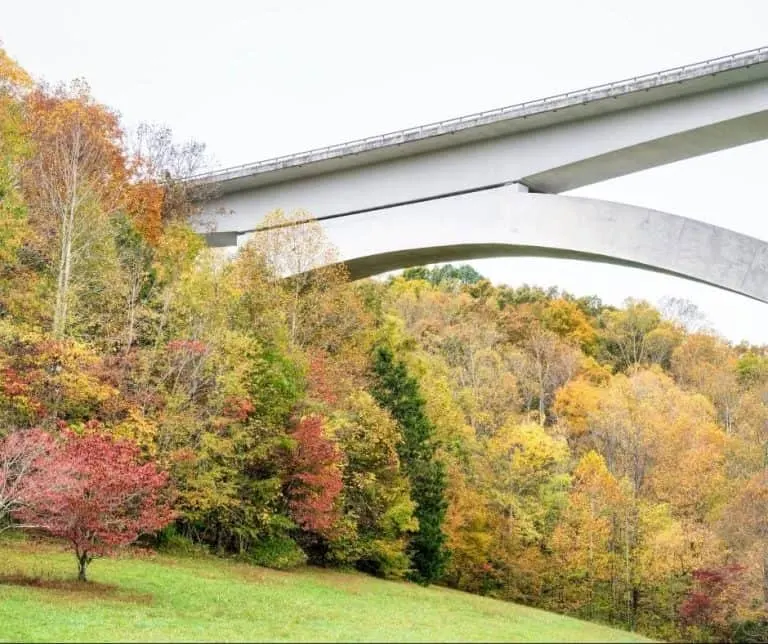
(163, 598)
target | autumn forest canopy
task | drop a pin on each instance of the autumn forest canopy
(526, 444)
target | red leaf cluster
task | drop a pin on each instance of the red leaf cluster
(21, 455)
(712, 578)
(696, 608)
(193, 347)
(18, 389)
(12, 383)
(702, 604)
(96, 493)
(315, 482)
(238, 408)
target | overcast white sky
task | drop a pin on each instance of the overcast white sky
(255, 79)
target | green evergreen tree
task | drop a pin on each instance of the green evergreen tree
(398, 392)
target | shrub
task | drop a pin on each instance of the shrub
(280, 553)
(171, 542)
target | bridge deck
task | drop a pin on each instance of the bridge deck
(734, 69)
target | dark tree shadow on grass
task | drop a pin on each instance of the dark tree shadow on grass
(74, 588)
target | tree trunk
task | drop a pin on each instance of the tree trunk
(82, 565)
(219, 538)
(60, 312)
(133, 298)
(62, 285)
(295, 312)
(765, 575)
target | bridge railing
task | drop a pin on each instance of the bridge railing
(527, 108)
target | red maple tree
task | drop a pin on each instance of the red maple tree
(21, 454)
(96, 493)
(714, 597)
(315, 481)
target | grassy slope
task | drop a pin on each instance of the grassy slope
(166, 598)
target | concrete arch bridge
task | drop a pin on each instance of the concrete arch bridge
(488, 184)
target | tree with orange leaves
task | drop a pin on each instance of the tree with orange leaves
(158, 192)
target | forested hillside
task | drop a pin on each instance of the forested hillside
(609, 463)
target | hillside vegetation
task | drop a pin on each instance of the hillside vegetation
(524, 444)
(181, 599)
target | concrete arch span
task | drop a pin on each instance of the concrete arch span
(508, 222)
(363, 267)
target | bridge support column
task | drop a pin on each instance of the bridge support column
(221, 240)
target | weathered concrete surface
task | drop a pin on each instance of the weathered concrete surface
(507, 222)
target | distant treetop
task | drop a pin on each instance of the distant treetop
(437, 275)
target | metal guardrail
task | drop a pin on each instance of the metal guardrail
(558, 101)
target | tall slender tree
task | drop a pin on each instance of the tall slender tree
(73, 183)
(397, 391)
